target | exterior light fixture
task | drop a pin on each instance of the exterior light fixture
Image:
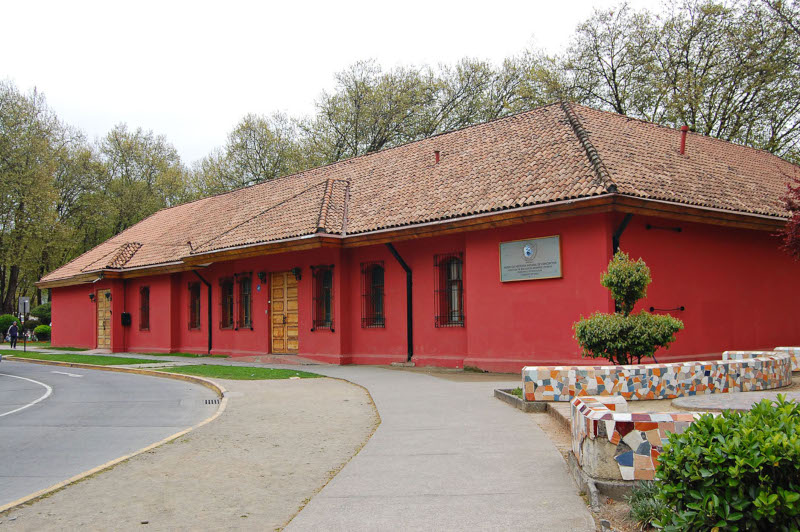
(108, 296)
(91, 298)
(297, 273)
(262, 276)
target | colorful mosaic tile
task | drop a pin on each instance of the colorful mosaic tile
(637, 439)
(794, 353)
(659, 381)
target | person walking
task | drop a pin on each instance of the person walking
(13, 332)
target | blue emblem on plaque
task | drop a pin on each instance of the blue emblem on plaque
(529, 251)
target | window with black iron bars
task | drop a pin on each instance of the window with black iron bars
(448, 271)
(372, 301)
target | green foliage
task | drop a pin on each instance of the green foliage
(30, 325)
(623, 336)
(627, 280)
(42, 332)
(737, 471)
(645, 506)
(5, 322)
(42, 312)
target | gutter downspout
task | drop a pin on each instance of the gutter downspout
(409, 307)
(618, 233)
(208, 286)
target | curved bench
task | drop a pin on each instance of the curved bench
(658, 381)
(794, 353)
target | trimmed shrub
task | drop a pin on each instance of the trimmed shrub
(736, 471)
(5, 322)
(42, 332)
(42, 312)
(624, 336)
(30, 325)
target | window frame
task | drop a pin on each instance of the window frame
(373, 296)
(322, 316)
(144, 308)
(244, 315)
(195, 312)
(230, 307)
(449, 290)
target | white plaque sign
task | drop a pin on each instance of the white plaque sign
(536, 258)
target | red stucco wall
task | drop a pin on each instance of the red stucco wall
(737, 287)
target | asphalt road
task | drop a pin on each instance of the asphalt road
(57, 422)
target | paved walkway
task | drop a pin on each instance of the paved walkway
(447, 456)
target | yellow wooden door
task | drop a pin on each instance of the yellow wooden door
(283, 309)
(103, 319)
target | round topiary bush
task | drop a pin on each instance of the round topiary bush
(42, 332)
(5, 322)
(30, 325)
(736, 471)
(42, 312)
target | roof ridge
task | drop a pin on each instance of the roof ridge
(599, 167)
(324, 205)
(260, 213)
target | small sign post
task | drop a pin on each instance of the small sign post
(24, 310)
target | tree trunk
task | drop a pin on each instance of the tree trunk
(11, 291)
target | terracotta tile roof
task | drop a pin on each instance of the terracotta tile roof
(557, 152)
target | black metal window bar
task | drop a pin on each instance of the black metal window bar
(245, 318)
(448, 270)
(194, 305)
(226, 302)
(372, 310)
(144, 308)
(322, 297)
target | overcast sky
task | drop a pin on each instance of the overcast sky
(191, 70)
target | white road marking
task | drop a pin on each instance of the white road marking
(42, 398)
(67, 374)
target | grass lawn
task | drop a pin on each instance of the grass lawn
(239, 372)
(98, 360)
(32, 344)
(187, 355)
(66, 348)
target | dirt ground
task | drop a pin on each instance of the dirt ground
(253, 468)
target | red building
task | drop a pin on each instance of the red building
(400, 253)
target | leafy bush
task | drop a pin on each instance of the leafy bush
(5, 322)
(43, 313)
(645, 506)
(623, 336)
(42, 332)
(30, 325)
(737, 471)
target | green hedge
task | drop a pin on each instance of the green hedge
(736, 471)
(42, 332)
(5, 322)
(42, 312)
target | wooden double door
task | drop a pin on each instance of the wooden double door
(104, 319)
(283, 309)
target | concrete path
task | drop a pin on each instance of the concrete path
(447, 456)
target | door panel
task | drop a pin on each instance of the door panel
(103, 319)
(283, 308)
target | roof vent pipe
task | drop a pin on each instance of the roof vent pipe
(684, 131)
(436, 155)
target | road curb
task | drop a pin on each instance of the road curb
(218, 388)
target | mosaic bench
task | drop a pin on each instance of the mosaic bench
(610, 443)
(794, 353)
(658, 381)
